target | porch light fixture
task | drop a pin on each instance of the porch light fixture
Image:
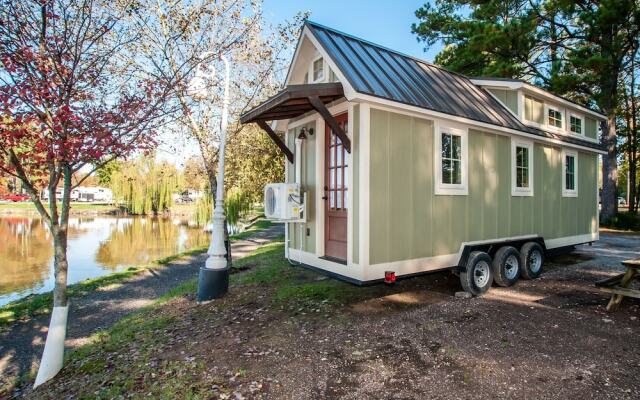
(213, 279)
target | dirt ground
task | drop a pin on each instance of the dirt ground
(550, 338)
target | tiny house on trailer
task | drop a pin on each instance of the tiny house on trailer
(396, 167)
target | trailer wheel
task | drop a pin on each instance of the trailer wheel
(478, 277)
(506, 266)
(531, 260)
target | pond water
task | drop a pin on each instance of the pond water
(98, 245)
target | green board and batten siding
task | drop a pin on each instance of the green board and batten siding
(590, 128)
(408, 221)
(507, 97)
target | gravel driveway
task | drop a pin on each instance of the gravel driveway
(550, 338)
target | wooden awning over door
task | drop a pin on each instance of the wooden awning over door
(294, 101)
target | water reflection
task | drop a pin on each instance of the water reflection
(97, 246)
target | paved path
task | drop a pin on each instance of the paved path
(22, 343)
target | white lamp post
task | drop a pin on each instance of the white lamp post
(214, 276)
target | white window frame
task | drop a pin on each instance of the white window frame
(324, 69)
(581, 118)
(565, 191)
(549, 107)
(440, 188)
(517, 191)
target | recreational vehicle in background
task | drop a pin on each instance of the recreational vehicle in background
(88, 194)
(397, 167)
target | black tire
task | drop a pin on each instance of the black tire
(531, 260)
(477, 278)
(506, 266)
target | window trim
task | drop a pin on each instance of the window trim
(582, 124)
(549, 107)
(567, 192)
(516, 191)
(324, 69)
(440, 188)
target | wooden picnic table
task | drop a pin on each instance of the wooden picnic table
(619, 284)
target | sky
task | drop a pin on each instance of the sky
(384, 22)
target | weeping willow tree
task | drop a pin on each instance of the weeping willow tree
(237, 205)
(145, 186)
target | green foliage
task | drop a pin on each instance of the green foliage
(482, 38)
(252, 161)
(236, 206)
(145, 186)
(204, 207)
(624, 221)
(105, 172)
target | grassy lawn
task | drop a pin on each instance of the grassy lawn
(41, 303)
(288, 288)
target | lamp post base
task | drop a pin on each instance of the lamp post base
(212, 283)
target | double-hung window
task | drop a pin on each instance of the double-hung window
(451, 161)
(554, 118)
(569, 173)
(575, 124)
(521, 167)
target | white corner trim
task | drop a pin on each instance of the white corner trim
(349, 185)
(441, 188)
(567, 192)
(528, 144)
(363, 184)
(320, 138)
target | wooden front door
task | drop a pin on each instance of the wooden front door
(335, 193)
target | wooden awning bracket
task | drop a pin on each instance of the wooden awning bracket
(278, 141)
(319, 106)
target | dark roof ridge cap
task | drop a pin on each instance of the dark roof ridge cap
(379, 46)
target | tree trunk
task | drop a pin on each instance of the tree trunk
(61, 266)
(53, 354)
(633, 142)
(609, 197)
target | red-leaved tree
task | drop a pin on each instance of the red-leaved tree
(70, 99)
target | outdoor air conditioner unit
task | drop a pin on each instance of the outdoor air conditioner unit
(283, 202)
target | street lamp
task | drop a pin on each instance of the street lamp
(213, 280)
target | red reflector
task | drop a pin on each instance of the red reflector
(389, 277)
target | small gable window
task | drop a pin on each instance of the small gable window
(575, 124)
(555, 118)
(318, 69)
